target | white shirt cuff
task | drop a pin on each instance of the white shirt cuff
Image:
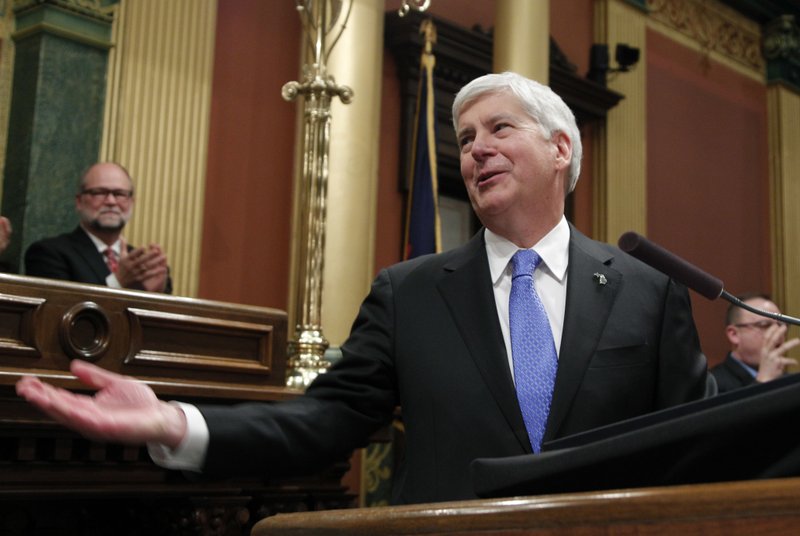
(190, 454)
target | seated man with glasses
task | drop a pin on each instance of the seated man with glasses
(758, 346)
(96, 252)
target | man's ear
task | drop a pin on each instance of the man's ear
(732, 332)
(563, 146)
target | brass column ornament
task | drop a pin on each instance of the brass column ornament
(782, 50)
(416, 5)
(323, 23)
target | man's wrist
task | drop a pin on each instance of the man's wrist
(190, 453)
(174, 425)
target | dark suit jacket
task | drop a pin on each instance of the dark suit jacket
(428, 338)
(70, 257)
(731, 375)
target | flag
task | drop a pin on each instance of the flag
(423, 229)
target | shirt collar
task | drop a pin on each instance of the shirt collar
(750, 370)
(553, 248)
(100, 245)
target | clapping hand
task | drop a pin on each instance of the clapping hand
(143, 268)
(5, 233)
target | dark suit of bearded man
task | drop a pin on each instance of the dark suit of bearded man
(70, 257)
(427, 338)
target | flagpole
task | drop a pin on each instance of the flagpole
(422, 233)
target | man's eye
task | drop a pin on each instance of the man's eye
(501, 126)
(465, 141)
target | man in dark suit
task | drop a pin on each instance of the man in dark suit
(95, 251)
(434, 334)
(758, 346)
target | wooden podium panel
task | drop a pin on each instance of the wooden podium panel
(722, 509)
(54, 482)
(180, 346)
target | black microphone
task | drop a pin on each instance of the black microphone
(687, 273)
(664, 261)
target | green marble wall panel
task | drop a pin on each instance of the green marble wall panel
(55, 127)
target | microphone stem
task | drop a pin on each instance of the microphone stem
(775, 316)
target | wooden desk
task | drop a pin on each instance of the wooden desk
(55, 482)
(735, 508)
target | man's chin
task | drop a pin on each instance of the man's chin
(107, 226)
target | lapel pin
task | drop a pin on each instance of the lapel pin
(600, 278)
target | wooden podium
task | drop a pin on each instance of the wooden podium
(722, 509)
(54, 482)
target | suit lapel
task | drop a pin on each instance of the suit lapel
(466, 287)
(85, 249)
(587, 309)
(738, 371)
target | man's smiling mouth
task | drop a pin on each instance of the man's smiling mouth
(486, 176)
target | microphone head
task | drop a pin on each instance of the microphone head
(670, 264)
(629, 242)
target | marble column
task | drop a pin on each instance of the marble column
(56, 115)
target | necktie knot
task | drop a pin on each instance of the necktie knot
(525, 262)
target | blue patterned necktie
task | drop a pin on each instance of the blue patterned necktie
(532, 347)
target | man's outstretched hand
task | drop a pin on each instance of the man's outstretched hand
(123, 410)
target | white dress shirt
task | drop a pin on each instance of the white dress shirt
(550, 278)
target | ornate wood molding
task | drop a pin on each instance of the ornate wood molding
(782, 50)
(715, 28)
(90, 8)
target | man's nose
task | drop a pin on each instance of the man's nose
(481, 148)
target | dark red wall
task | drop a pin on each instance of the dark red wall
(247, 218)
(707, 196)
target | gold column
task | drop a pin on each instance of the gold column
(157, 123)
(620, 148)
(352, 198)
(783, 116)
(522, 38)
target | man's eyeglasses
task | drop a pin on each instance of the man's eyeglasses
(102, 193)
(763, 325)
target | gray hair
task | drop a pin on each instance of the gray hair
(541, 103)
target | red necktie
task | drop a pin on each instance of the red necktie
(111, 260)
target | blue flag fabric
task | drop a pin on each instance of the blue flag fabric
(422, 233)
